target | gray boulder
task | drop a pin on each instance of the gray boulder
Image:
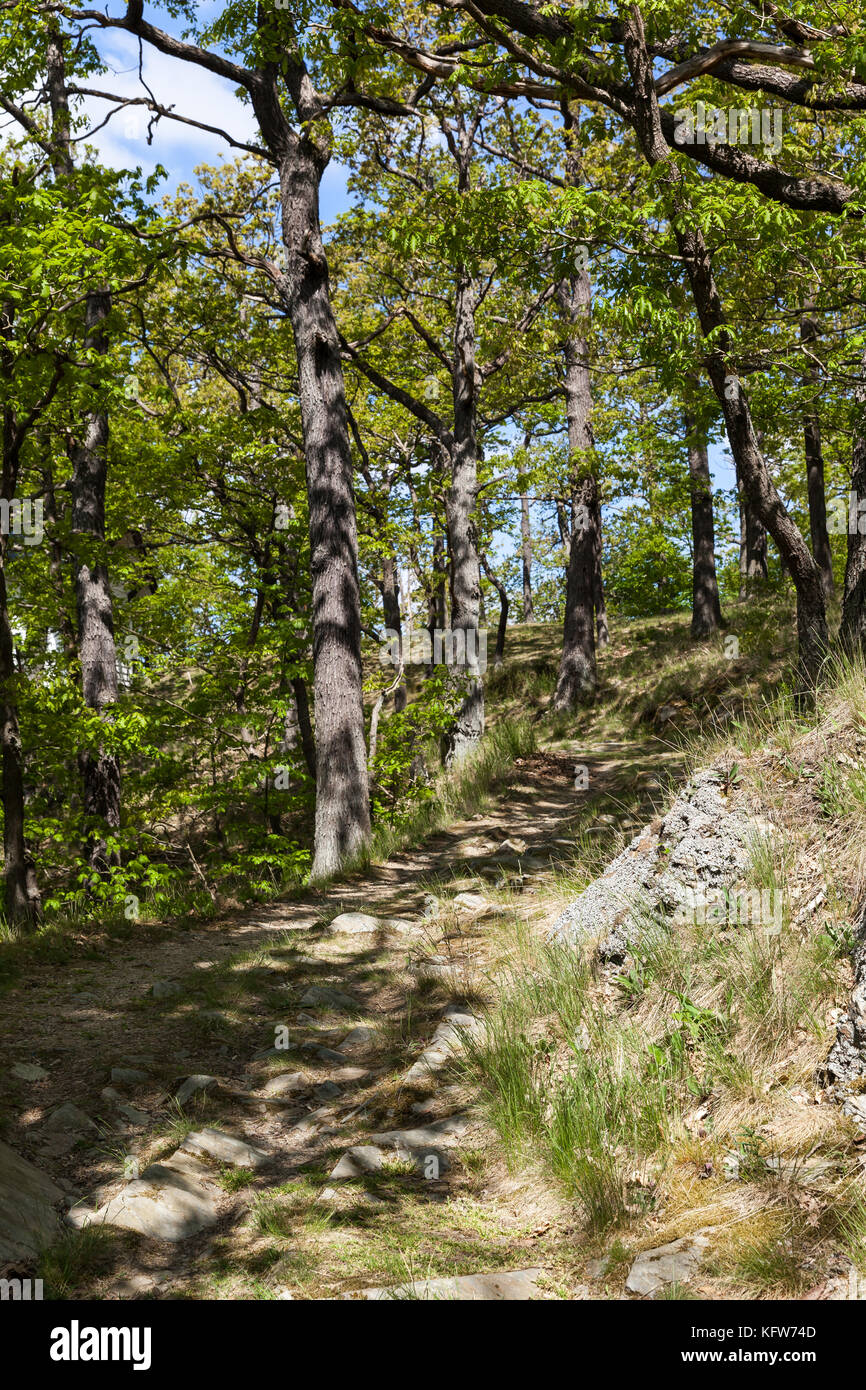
(699, 846)
(28, 1221)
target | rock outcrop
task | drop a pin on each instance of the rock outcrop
(698, 849)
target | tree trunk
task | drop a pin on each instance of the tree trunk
(577, 679)
(526, 546)
(391, 614)
(706, 609)
(460, 506)
(852, 629)
(95, 617)
(21, 897)
(809, 333)
(96, 649)
(499, 654)
(56, 569)
(759, 489)
(342, 789)
(602, 634)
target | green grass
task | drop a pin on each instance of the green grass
(75, 1258)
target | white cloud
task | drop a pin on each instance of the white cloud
(190, 90)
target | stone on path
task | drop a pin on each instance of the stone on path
(28, 1221)
(327, 1090)
(69, 1118)
(447, 1039)
(131, 1076)
(372, 1158)
(320, 996)
(215, 1144)
(362, 923)
(361, 1159)
(346, 1075)
(472, 905)
(28, 1071)
(448, 1132)
(357, 1040)
(359, 922)
(674, 1263)
(287, 1083)
(504, 1286)
(169, 1201)
(193, 1085)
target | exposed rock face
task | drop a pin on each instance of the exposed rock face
(699, 847)
(28, 1221)
(847, 1061)
(675, 1263)
(170, 1201)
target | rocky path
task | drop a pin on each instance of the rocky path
(273, 1106)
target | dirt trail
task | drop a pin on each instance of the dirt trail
(239, 979)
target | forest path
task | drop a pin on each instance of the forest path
(225, 991)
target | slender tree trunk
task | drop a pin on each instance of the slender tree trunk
(305, 724)
(22, 902)
(576, 681)
(852, 630)
(501, 590)
(753, 543)
(21, 896)
(342, 788)
(96, 647)
(809, 333)
(391, 613)
(602, 634)
(577, 678)
(706, 609)
(56, 567)
(460, 507)
(759, 489)
(527, 615)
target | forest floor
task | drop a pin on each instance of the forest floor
(301, 1096)
(231, 986)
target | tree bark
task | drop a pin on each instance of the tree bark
(21, 894)
(96, 647)
(460, 506)
(342, 788)
(706, 608)
(809, 334)
(852, 629)
(602, 634)
(527, 615)
(753, 544)
(577, 678)
(499, 654)
(391, 613)
(758, 486)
